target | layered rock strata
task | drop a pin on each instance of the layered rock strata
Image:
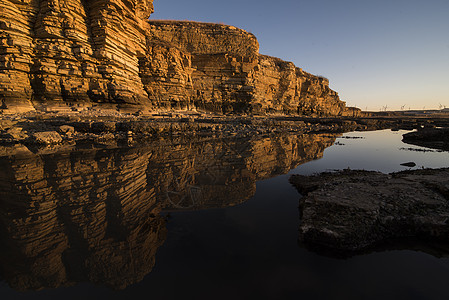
(229, 74)
(75, 54)
(57, 54)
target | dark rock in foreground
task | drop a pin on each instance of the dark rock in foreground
(350, 211)
(410, 164)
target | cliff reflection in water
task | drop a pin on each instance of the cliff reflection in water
(94, 215)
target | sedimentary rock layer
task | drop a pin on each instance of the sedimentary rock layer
(56, 54)
(76, 54)
(230, 75)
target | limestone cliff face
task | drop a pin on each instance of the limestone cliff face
(204, 38)
(166, 76)
(282, 87)
(229, 74)
(60, 53)
(77, 54)
(93, 215)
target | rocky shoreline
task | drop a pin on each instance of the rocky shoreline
(35, 129)
(350, 211)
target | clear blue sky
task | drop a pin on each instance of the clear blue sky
(375, 53)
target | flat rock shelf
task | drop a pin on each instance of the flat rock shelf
(351, 210)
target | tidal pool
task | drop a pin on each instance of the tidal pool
(195, 220)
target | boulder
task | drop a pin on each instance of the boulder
(67, 130)
(47, 137)
(16, 134)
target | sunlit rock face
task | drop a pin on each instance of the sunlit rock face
(57, 53)
(229, 74)
(94, 215)
(75, 54)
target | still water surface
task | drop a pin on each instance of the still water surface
(181, 225)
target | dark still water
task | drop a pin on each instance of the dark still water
(196, 219)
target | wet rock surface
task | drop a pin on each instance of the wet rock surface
(350, 211)
(112, 128)
(47, 137)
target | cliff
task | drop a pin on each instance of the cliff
(58, 54)
(75, 55)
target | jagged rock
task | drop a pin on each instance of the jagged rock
(6, 124)
(98, 127)
(349, 211)
(72, 55)
(16, 134)
(66, 129)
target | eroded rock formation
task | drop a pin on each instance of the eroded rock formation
(93, 215)
(57, 53)
(77, 54)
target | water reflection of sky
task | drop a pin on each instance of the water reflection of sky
(251, 251)
(378, 151)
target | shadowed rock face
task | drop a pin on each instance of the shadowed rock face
(93, 215)
(76, 54)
